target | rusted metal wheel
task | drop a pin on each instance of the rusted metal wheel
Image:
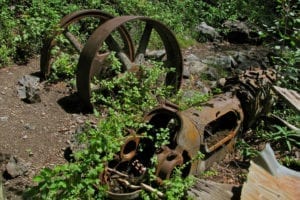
(76, 43)
(91, 62)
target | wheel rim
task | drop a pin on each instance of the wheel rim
(87, 67)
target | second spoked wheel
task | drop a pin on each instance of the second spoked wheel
(92, 61)
(66, 43)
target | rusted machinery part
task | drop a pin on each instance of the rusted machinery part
(66, 21)
(193, 130)
(124, 196)
(90, 61)
(212, 130)
(254, 89)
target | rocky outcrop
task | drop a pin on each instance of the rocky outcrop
(239, 32)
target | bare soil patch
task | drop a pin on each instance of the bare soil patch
(36, 133)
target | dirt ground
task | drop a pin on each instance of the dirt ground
(36, 133)
(39, 133)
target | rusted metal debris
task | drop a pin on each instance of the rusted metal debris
(291, 96)
(93, 54)
(267, 179)
(51, 42)
(210, 130)
(91, 63)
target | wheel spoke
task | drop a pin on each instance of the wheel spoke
(78, 46)
(114, 46)
(143, 43)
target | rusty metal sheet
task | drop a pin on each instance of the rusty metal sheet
(291, 96)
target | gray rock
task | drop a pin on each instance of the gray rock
(158, 54)
(192, 57)
(28, 89)
(193, 66)
(225, 62)
(29, 126)
(245, 60)
(16, 167)
(186, 72)
(204, 89)
(240, 32)
(207, 33)
(196, 67)
(212, 74)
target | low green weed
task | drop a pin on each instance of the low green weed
(127, 98)
(247, 151)
(282, 136)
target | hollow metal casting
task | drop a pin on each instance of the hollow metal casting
(49, 43)
(210, 129)
(92, 63)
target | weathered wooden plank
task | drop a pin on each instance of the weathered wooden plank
(204, 189)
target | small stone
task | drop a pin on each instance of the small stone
(29, 126)
(4, 119)
(25, 137)
(297, 153)
(28, 89)
(79, 121)
(16, 167)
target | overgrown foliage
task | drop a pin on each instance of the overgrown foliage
(25, 24)
(126, 100)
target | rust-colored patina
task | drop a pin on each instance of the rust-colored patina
(92, 63)
(75, 17)
(210, 129)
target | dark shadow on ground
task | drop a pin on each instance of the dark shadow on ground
(236, 191)
(73, 104)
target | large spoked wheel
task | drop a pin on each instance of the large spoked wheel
(92, 62)
(73, 32)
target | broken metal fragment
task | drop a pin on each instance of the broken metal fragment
(267, 179)
(291, 96)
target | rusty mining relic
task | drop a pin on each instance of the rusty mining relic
(109, 36)
(210, 128)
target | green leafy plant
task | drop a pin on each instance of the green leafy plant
(208, 173)
(195, 99)
(131, 92)
(127, 100)
(247, 151)
(283, 137)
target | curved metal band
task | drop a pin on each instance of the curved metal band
(49, 43)
(86, 68)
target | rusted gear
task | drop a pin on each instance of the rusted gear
(92, 63)
(49, 43)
